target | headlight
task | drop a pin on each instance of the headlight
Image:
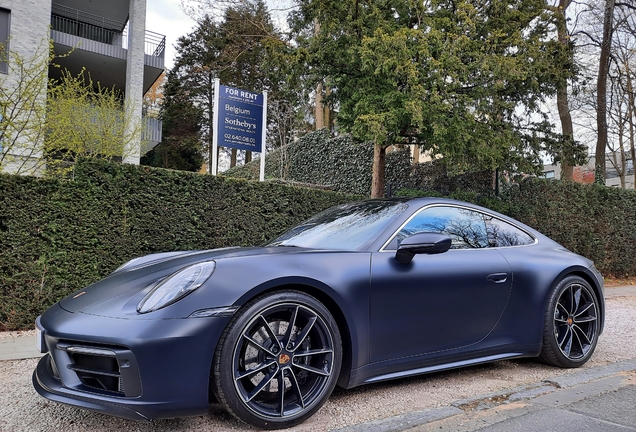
(176, 286)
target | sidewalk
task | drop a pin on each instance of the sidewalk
(23, 347)
(18, 348)
(595, 399)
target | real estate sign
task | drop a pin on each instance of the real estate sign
(240, 120)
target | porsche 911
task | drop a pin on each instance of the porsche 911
(360, 293)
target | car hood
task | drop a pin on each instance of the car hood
(121, 291)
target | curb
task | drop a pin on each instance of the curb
(18, 348)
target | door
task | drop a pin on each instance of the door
(437, 302)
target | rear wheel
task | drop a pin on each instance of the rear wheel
(571, 324)
(278, 360)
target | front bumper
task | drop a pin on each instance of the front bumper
(132, 368)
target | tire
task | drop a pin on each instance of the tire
(571, 324)
(260, 353)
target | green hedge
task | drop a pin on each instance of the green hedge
(592, 220)
(57, 236)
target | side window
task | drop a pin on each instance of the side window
(5, 19)
(465, 227)
(501, 233)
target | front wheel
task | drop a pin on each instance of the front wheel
(278, 360)
(571, 324)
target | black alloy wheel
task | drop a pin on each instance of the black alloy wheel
(279, 360)
(571, 330)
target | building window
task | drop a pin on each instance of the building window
(5, 21)
(549, 174)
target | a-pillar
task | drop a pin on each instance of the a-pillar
(135, 79)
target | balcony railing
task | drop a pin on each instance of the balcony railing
(85, 25)
(152, 131)
(155, 43)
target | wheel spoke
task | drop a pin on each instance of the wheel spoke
(313, 352)
(303, 334)
(312, 369)
(586, 319)
(268, 329)
(566, 342)
(563, 309)
(296, 389)
(281, 392)
(258, 345)
(254, 370)
(577, 298)
(575, 337)
(261, 385)
(578, 331)
(583, 310)
(290, 327)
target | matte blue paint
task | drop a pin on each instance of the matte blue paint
(438, 312)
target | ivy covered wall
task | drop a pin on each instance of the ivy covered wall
(346, 166)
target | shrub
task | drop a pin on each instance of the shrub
(58, 236)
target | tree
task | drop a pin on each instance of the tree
(23, 109)
(181, 130)
(463, 79)
(84, 119)
(563, 105)
(239, 44)
(607, 39)
(601, 89)
(620, 108)
(193, 75)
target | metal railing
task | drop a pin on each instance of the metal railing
(85, 25)
(155, 43)
(152, 130)
(86, 30)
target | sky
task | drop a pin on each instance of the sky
(167, 18)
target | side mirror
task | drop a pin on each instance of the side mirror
(423, 243)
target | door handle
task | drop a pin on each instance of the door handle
(497, 277)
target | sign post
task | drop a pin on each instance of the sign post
(240, 121)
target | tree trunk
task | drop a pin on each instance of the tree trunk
(631, 111)
(248, 155)
(379, 164)
(601, 94)
(233, 158)
(567, 168)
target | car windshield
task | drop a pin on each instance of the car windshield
(344, 227)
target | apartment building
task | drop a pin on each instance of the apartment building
(618, 173)
(107, 38)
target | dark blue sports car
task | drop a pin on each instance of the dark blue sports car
(359, 293)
